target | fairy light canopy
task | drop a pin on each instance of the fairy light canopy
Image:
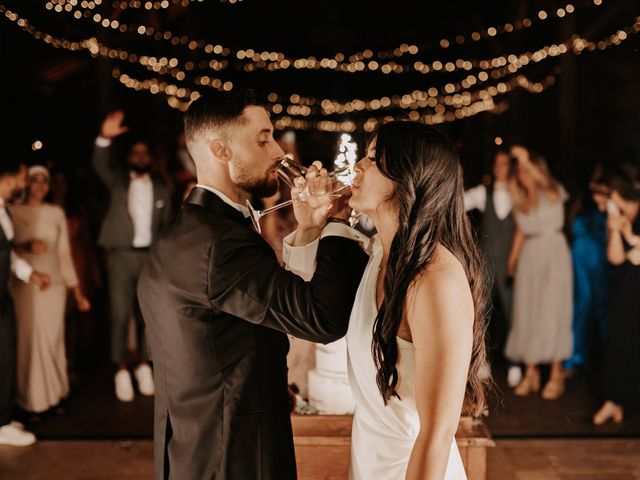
(332, 66)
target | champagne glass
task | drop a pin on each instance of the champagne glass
(288, 171)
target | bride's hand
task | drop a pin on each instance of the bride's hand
(310, 204)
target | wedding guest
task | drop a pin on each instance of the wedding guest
(541, 261)
(41, 238)
(622, 363)
(497, 228)
(139, 208)
(591, 283)
(12, 179)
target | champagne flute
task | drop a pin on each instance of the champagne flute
(288, 171)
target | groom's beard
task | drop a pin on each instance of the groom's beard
(267, 186)
(264, 188)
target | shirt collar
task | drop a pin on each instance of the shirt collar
(241, 208)
(135, 176)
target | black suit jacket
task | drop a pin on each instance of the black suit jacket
(217, 307)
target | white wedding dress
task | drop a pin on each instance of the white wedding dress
(382, 436)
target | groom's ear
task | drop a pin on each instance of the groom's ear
(220, 150)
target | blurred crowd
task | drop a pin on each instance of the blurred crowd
(564, 271)
(564, 277)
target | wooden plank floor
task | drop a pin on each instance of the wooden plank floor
(601, 459)
(565, 460)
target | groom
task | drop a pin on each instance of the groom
(218, 306)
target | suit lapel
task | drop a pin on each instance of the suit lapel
(210, 201)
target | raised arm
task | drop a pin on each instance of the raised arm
(262, 292)
(475, 198)
(440, 315)
(541, 178)
(111, 127)
(615, 246)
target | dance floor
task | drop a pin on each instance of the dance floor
(601, 459)
(93, 413)
(99, 438)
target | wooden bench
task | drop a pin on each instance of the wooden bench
(323, 442)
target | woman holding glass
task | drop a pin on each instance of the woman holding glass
(622, 355)
(42, 239)
(416, 334)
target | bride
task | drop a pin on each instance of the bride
(415, 341)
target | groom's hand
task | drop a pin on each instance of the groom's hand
(311, 205)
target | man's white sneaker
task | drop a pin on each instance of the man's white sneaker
(17, 437)
(514, 376)
(144, 376)
(17, 424)
(124, 387)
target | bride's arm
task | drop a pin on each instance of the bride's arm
(440, 316)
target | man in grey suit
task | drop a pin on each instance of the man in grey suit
(139, 208)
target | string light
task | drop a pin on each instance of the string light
(136, 4)
(156, 5)
(179, 98)
(418, 100)
(162, 65)
(449, 95)
(369, 125)
(576, 45)
(347, 154)
(358, 62)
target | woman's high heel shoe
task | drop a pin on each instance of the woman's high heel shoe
(608, 411)
(529, 384)
(554, 387)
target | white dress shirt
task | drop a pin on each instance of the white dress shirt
(141, 209)
(103, 142)
(476, 198)
(19, 266)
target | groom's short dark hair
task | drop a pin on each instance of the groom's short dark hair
(215, 110)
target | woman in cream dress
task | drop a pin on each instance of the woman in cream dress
(415, 341)
(540, 257)
(42, 239)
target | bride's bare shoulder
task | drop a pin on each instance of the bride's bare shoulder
(441, 289)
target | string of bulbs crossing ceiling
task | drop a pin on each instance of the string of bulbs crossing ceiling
(450, 86)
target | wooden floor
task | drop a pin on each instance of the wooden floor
(601, 459)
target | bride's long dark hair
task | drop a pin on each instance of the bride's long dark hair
(424, 165)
